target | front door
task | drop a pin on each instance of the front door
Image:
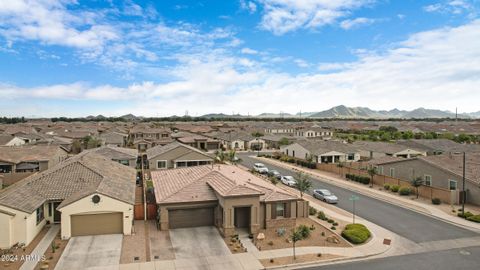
(57, 215)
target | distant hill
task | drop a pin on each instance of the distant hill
(222, 115)
(274, 115)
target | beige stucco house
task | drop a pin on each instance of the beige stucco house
(321, 151)
(87, 194)
(125, 156)
(224, 196)
(175, 155)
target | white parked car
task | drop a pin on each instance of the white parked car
(260, 168)
(325, 195)
(288, 180)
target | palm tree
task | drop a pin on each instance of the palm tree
(416, 183)
(219, 156)
(372, 171)
(232, 157)
(303, 184)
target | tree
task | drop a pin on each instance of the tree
(257, 134)
(232, 157)
(389, 129)
(284, 141)
(295, 237)
(273, 180)
(219, 156)
(303, 184)
(372, 171)
(416, 183)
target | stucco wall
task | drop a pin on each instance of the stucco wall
(174, 154)
(300, 152)
(86, 206)
(17, 229)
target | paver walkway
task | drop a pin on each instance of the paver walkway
(42, 246)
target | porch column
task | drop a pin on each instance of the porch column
(164, 219)
(254, 218)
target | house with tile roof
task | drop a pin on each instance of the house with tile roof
(176, 155)
(10, 140)
(224, 196)
(87, 194)
(125, 156)
(441, 171)
(322, 151)
(369, 150)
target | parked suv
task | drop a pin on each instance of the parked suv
(260, 168)
(288, 180)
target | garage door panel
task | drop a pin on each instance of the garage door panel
(107, 223)
(185, 218)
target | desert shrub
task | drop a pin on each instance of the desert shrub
(475, 218)
(333, 228)
(394, 188)
(335, 223)
(330, 221)
(321, 215)
(436, 201)
(304, 231)
(312, 211)
(356, 233)
(281, 232)
(386, 186)
(466, 215)
(404, 191)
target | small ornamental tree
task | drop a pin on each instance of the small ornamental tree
(303, 184)
(416, 183)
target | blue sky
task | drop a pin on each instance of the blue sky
(160, 58)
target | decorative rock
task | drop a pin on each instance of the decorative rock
(260, 236)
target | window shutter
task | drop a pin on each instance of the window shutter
(288, 209)
(274, 211)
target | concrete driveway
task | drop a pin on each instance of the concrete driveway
(92, 252)
(197, 242)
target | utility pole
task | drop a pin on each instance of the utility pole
(464, 196)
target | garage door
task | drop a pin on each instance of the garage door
(184, 218)
(109, 223)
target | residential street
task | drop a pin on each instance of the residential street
(411, 225)
(458, 259)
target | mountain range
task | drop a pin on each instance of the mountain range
(344, 112)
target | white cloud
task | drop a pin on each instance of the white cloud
(301, 63)
(455, 7)
(437, 69)
(248, 5)
(355, 23)
(249, 51)
(282, 16)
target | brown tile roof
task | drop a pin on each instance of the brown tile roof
(162, 149)
(75, 178)
(5, 138)
(116, 153)
(17, 154)
(194, 184)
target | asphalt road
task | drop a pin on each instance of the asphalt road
(409, 224)
(458, 259)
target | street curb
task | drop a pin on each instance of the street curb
(386, 200)
(327, 262)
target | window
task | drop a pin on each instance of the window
(40, 215)
(204, 162)
(161, 164)
(351, 157)
(452, 184)
(392, 172)
(181, 164)
(280, 210)
(380, 170)
(428, 180)
(286, 151)
(50, 209)
(124, 162)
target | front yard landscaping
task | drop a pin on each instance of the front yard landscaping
(53, 253)
(234, 244)
(279, 238)
(300, 259)
(356, 233)
(17, 253)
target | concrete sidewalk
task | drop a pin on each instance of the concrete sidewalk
(41, 247)
(417, 206)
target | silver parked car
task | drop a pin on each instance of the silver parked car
(274, 173)
(288, 180)
(325, 195)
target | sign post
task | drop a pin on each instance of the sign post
(354, 198)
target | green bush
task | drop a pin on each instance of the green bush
(321, 215)
(312, 211)
(386, 186)
(333, 228)
(356, 233)
(330, 221)
(404, 191)
(436, 201)
(394, 188)
(475, 218)
(466, 215)
(304, 231)
(335, 223)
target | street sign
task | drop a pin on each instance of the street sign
(354, 198)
